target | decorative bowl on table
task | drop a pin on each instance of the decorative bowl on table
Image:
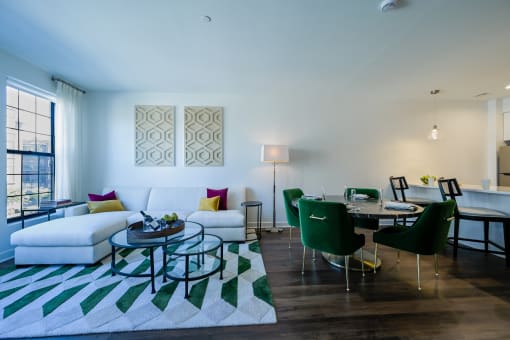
(136, 231)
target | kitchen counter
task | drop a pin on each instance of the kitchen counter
(496, 197)
(468, 188)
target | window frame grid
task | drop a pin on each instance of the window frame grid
(38, 154)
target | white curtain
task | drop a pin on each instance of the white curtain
(68, 143)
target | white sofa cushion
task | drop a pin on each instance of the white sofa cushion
(188, 198)
(132, 198)
(235, 196)
(180, 198)
(221, 218)
(84, 230)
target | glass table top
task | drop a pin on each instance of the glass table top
(196, 245)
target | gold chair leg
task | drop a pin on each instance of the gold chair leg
(398, 256)
(418, 266)
(303, 266)
(362, 264)
(346, 258)
(290, 236)
(436, 265)
(375, 258)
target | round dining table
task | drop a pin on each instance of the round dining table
(371, 209)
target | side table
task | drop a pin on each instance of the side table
(258, 205)
(206, 264)
(48, 211)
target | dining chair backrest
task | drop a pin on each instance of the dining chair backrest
(433, 225)
(326, 226)
(365, 223)
(371, 192)
(399, 184)
(291, 211)
(449, 188)
(428, 235)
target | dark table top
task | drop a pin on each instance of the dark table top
(371, 208)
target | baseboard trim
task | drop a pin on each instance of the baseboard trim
(7, 255)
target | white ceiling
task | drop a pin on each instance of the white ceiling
(459, 46)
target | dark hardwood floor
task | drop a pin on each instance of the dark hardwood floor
(470, 300)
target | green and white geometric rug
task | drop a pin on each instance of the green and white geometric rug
(77, 299)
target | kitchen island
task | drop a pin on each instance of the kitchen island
(496, 197)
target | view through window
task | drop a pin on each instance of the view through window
(30, 151)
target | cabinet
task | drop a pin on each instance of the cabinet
(506, 126)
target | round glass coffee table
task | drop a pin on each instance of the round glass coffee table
(120, 240)
(183, 266)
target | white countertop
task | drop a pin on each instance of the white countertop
(469, 187)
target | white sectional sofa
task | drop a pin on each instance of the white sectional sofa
(82, 238)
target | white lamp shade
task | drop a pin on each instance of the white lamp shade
(274, 153)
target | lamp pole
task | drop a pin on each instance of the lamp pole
(274, 154)
(274, 195)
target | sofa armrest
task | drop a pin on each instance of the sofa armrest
(77, 210)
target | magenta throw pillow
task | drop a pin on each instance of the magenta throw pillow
(106, 197)
(223, 196)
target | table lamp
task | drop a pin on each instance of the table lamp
(274, 154)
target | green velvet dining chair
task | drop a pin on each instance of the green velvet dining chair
(292, 212)
(365, 223)
(327, 227)
(427, 236)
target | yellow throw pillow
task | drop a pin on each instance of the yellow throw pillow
(210, 204)
(104, 206)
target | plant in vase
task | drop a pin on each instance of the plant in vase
(428, 180)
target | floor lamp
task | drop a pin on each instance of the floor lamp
(274, 154)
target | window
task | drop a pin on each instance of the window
(30, 151)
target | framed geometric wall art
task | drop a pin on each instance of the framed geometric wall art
(154, 135)
(203, 130)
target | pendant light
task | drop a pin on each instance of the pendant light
(434, 134)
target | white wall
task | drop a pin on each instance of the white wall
(334, 140)
(19, 69)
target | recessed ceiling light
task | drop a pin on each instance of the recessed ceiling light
(507, 87)
(387, 5)
(205, 18)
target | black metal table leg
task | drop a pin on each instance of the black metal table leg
(486, 236)
(151, 252)
(259, 222)
(113, 261)
(221, 261)
(186, 278)
(506, 234)
(245, 222)
(455, 237)
(164, 263)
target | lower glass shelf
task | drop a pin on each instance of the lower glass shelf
(176, 268)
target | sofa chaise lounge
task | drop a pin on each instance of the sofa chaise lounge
(82, 238)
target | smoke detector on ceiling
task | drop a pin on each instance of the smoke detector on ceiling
(386, 5)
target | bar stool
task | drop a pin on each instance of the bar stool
(449, 190)
(399, 184)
